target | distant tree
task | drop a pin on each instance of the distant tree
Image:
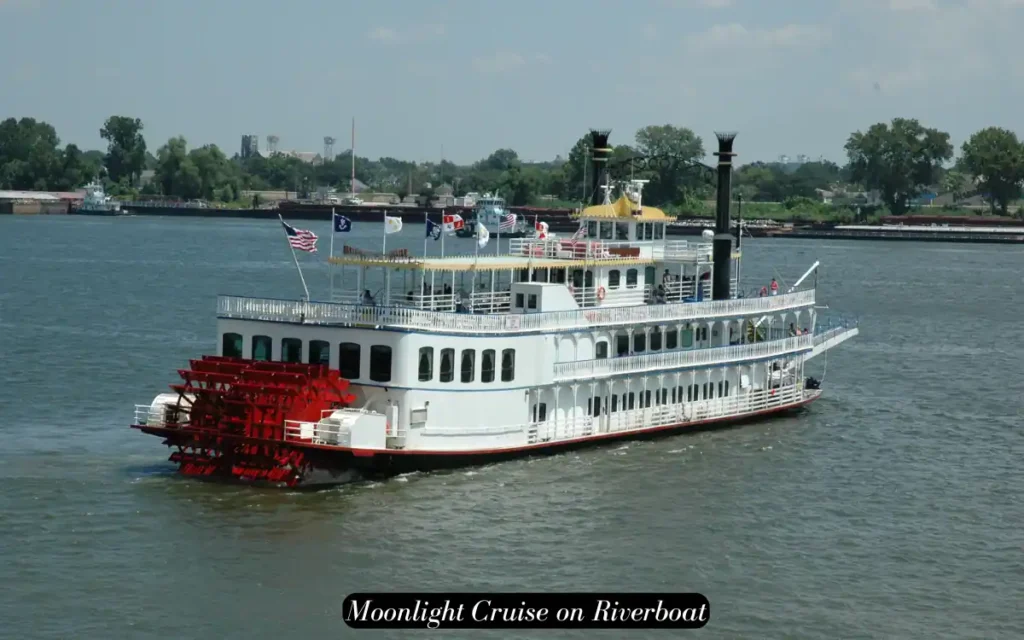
(996, 157)
(126, 148)
(670, 180)
(29, 155)
(957, 184)
(898, 160)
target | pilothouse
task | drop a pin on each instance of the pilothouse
(546, 344)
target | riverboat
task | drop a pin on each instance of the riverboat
(422, 363)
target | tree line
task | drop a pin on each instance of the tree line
(898, 161)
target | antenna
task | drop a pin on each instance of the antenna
(607, 188)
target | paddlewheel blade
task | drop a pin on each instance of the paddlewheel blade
(236, 413)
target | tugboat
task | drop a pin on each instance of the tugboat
(555, 344)
(492, 212)
(98, 203)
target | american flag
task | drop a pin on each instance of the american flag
(300, 239)
(507, 223)
(580, 233)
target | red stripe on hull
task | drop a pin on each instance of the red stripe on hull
(313, 465)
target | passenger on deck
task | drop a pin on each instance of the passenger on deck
(775, 287)
(764, 292)
(367, 298)
(659, 294)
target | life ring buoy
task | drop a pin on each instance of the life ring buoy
(600, 293)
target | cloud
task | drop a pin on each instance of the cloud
(736, 37)
(421, 33)
(924, 45)
(14, 5)
(383, 34)
(499, 62)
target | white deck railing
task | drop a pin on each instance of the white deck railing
(271, 310)
(584, 369)
(583, 425)
(663, 415)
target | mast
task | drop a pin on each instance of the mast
(352, 184)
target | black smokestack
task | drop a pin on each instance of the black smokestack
(723, 236)
(599, 152)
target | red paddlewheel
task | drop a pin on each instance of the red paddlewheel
(237, 411)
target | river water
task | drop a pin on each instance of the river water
(893, 508)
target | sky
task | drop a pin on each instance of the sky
(461, 78)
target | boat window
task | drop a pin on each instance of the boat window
(487, 366)
(533, 301)
(689, 393)
(577, 278)
(613, 279)
(601, 350)
(261, 347)
(704, 391)
(639, 342)
(720, 388)
(291, 350)
(519, 301)
(671, 339)
(348, 360)
(649, 276)
(673, 395)
(596, 409)
(621, 344)
(540, 412)
(447, 365)
(659, 231)
(592, 228)
(687, 338)
(615, 403)
(664, 396)
(622, 231)
(319, 352)
(606, 230)
(656, 339)
(426, 364)
(508, 365)
(231, 345)
(631, 279)
(646, 402)
(558, 276)
(380, 363)
(726, 388)
(631, 397)
(468, 365)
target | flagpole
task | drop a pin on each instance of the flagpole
(443, 233)
(426, 225)
(296, 259)
(330, 266)
(384, 246)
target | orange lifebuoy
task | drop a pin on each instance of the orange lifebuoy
(600, 293)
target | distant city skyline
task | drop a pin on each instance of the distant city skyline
(472, 76)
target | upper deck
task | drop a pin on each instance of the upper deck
(409, 318)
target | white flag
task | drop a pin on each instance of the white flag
(392, 224)
(482, 235)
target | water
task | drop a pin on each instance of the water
(893, 508)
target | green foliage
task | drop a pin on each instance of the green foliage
(126, 150)
(997, 158)
(31, 158)
(898, 160)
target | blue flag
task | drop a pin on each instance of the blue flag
(433, 230)
(341, 223)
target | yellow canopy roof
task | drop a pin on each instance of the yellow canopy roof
(624, 208)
